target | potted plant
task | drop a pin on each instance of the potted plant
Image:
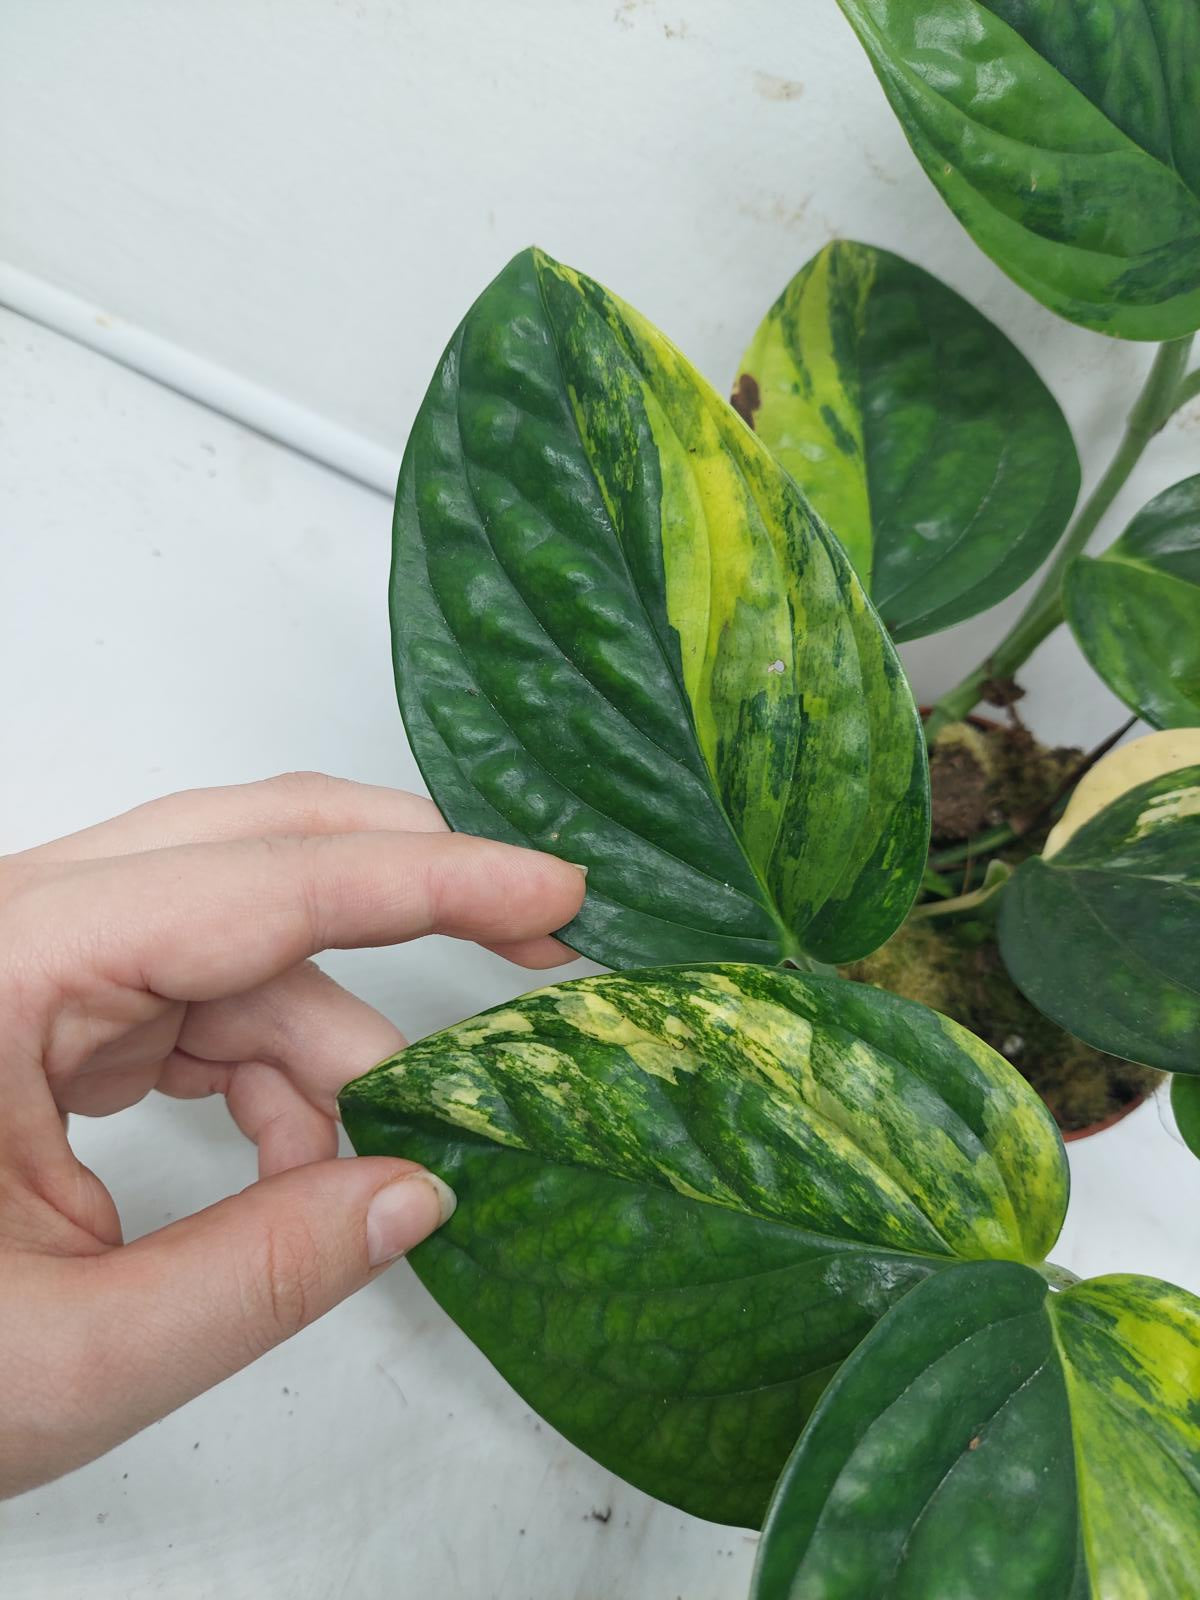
(766, 1239)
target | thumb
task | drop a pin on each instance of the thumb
(177, 1311)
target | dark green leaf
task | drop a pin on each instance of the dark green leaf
(1185, 1103)
(919, 432)
(994, 1440)
(622, 636)
(1064, 138)
(1104, 935)
(686, 1194)
(1135, 609)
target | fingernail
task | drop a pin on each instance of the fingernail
(404, 1213)
(579, 867)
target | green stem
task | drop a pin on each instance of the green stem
(1188, 389)
(981, 844)
(1059, 1278)
(1159, 397)
(933, 883)
(998, 874)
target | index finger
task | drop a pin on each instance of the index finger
(293, 802)
(202, 921)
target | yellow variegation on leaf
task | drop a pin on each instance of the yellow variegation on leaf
(622, 636)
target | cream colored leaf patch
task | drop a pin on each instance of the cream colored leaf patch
(1124, 769)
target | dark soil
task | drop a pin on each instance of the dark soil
(984, 778)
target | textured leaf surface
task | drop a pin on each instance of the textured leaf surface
(1135, 609)
(1185, 1103)
(1104, 936)
(622, 636)
(1064, 138)
(992, 1440)
(686, 1194)
(919, 432)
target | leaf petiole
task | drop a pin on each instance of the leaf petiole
(1159, 397)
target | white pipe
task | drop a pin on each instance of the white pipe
(204, 381)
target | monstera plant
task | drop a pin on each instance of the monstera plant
(766, 1240)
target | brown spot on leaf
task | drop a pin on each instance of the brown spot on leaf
(974, 1444)
(746, 397)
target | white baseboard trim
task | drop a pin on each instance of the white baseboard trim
(204, 381)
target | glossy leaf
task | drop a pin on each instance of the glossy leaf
(1064, 138)
(918, 431)
(994, 1440)
(685, 1195)
(622, 636)
(1121, 770)
(1135, 609)
(1185, 1103)
(1104, 935)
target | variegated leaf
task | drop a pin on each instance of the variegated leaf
(622, 636)
(1135, 609)
(685, 1195)
(993, 1437)
(918, 431)
(1103, 935)
(1064, 138)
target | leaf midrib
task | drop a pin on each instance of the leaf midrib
(1128, 952)
(432, 1123)
(1116, 557)
(878, 1417)
(789, 944)
(891, 63)
(558, 781)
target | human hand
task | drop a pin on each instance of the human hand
(167, 949)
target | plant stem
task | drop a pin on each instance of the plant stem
(998, 873)
(1059, 1278)
(1188, 389)
(981, 844)
(1158, 398)
(933, 883)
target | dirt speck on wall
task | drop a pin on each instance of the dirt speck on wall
(775, 88)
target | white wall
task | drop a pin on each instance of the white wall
(310, 193)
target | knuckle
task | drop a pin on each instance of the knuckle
(287, 1283)
(29, 931)
(304, 856)
(307, 804)
(303, 797)
(300, 781)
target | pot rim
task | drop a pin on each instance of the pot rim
(1106, 1122)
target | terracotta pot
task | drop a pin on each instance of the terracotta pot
(1106, 1122)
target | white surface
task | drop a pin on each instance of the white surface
(184, 603)
(220, 388)
(311, 192)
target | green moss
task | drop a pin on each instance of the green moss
(984, 778)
